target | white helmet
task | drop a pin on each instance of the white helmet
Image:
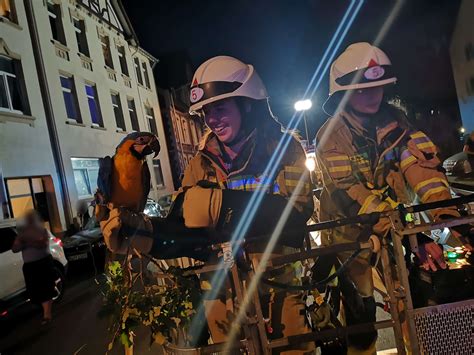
(222, 77)
(360, 66)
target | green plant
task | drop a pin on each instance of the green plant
(165, 305)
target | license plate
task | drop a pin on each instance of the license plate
(78, 257)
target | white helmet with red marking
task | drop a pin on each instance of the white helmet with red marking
(360, 66)
(222, 77)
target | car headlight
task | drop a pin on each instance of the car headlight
(467, 168)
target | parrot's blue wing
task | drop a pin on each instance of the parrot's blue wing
(104, 179)
(146, 183)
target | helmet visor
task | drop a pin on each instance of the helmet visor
(366, 75)
(212, 89)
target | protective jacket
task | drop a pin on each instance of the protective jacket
(374, 166)
(247, 171)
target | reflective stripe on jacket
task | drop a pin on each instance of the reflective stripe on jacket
(363, 174)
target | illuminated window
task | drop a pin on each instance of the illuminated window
(7, 10)
(86, 172)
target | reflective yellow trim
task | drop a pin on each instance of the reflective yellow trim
(405, 162)
(425, 145)
(294, 169)
(381, 206)
(367, 203)
(292, 183)
(337, 169)
(433, 191)
(418, 134)
(338, 157)
(429, 181)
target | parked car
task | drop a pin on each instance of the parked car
(12, 285)
(154, 209)
(165, 203)
(86, 246)
(458, 165)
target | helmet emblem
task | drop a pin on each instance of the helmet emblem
(374, 72)
(196, 94)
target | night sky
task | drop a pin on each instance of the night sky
(285, 40)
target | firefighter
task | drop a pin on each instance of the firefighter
(242, 136)
(372, 160)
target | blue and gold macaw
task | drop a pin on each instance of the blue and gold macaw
(124, 179)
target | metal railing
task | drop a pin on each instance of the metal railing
(417, 337)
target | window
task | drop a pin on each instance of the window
(150, 117)
(94, 108)
(7, 10)
(55, 23)
(25, 194)
(105, 41)
(70, 98)
(158, 173)
(116, 104)
(11, 86)
(136, 62)
(86, 171)
(145, 75)
(192, 126)
(123, 60)
(132, 111)
(184, 126)
(80, 29)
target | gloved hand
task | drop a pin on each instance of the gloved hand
(431, 254)
(123, 229)
(464, 233)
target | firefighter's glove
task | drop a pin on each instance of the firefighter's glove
(431, 256)
(201, 207)
(123, 229)
(464, 232)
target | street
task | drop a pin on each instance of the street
(75, 329)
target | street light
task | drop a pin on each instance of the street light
(310, 163)
(303, 105)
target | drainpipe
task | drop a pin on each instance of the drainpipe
(48, 108)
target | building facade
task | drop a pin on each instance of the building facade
(462, 61)
(184, 132)
(97, 87)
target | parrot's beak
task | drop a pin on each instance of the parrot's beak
(153, 146)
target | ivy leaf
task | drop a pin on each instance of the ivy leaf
(125, 340)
